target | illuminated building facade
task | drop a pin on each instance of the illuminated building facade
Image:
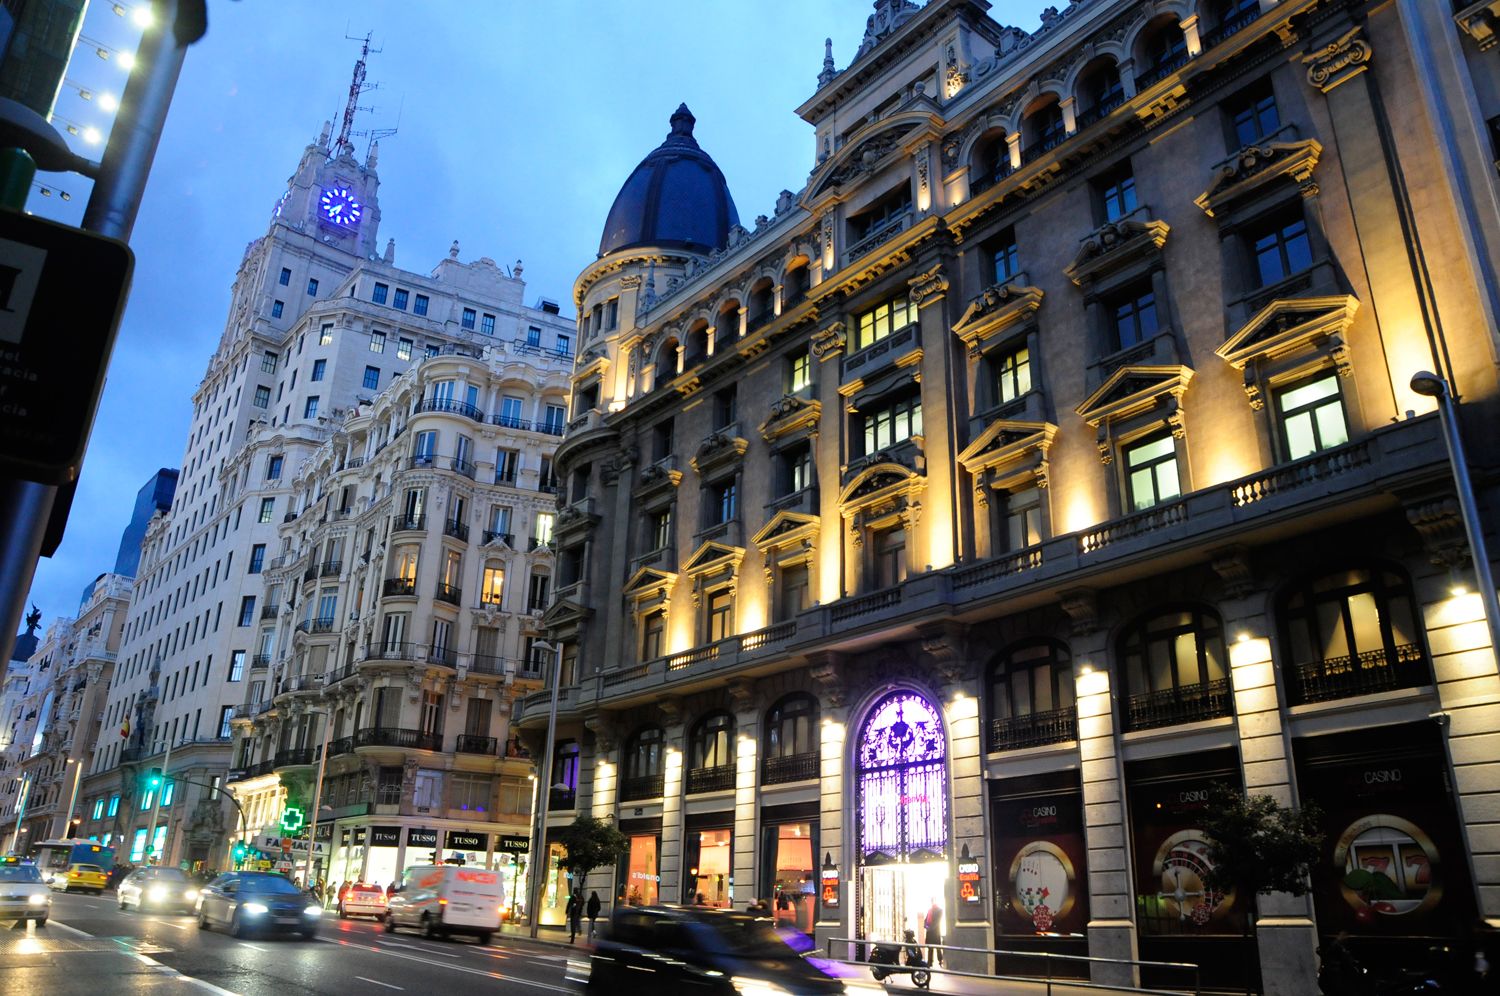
(1049, 458)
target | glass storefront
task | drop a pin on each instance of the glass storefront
(554, 900)
(1039, 871)
(639, 883)
(709, 860)
(790, 862)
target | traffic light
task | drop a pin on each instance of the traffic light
(239, 851)
(292, 820)
(153, 778)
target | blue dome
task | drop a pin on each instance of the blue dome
(675, 198)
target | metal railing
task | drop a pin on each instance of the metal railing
(1365, 673)
(260, 661)
(1034, 729)
(388, 736)
(398, 586)
(490, 536)
(448, 406)
(789, 768)
(330, 568)
(458, 530)
(467, 743)
(450, 593)
(643, 787)
(400, 522)
(296, 756)
(715, 779)
(1170, 706)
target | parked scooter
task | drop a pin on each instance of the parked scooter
(1340, 973)
(889, 958)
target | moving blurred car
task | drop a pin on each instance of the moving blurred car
(23, 892)
(80, 878)
(157, 889)
(261, 902)
(443, 900)
(673, 949)
(362, 900)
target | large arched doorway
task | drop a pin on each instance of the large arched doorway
(901, 771)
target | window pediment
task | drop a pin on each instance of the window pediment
(786, 529)
(649, 585)
(712, 563)
(720, 449)
(657, 479)
(857, 159)
(992, 314)
(564, 613)
(1255, 167)
(1116, 245)
(1008, 451)
(1289, 330)
(1134, 396)
(789, 416)
(881, 487)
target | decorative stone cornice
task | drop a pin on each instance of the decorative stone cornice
(1082, 607)
(1439, 522)
(1116, 244)
(1008, 452)
(1482, 22)
(929, 287)
(1132, 390)
(1232, 565)
(785, 531)
(1339, 61)
(656, 479)
(719, 450)
(1286, 329)
(789, 415)
(996, 311)
(647, 584)
(829, 342)
(828, 671)
(1256, 166)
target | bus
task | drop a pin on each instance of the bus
(54, 857)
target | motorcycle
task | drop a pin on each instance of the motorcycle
(1340, 973)
(889, 958)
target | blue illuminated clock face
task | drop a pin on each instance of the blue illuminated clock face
(340, 207)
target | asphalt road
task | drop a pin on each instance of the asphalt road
(90, 948)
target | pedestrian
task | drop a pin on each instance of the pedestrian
(933, 929)
(574, 912)
(593, 912)
(391, 889)
(758, 907)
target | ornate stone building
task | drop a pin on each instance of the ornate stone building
(1046, 460)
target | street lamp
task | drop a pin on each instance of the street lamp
(1431, 385)
(73, 799)
(538, 862)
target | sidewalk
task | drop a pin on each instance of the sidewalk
(860, 980)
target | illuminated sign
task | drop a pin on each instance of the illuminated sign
(968, 882)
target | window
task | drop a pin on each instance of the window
(792, 728)
(653, 634)
(99, 808)
(792, 597)
(310, 407)
(138, 846)
(1352, 632)
(419, 306)
(236, 665)
(380, 292)
(399, 302)
(506, 462)
(320, 367)
(377, 342)
(427, 792)
(247, 610)
(1311, 416)
(1151, 472)
(276, 309)
(273, 467)
(114, 806)
(1178, 653)
(889, 548)
(798, 372)
(711, 743)
(891, 420)
(643, 755)
(268, 362)
(796, 469)
(536, 595)
(469, 316)
(1029, 682)
(286, 277)
(564, 345)
(492, 589)
(883, 319)
(720, 616)
(430, 350)
(724, 407)
(722, 499)
(267, 509)
(487, 325)
(168, 793)
(659, 529)
(1252, 114)
(1022, 514)
(325, 335)
(1005, 256)
(510, 412)
(1012, 375)
(533, 336)
(554, 418)
(262, 397)
(542, 528)
(1117, 192)
(1280, 248)
(312, 287)
(403, 349)
(612, 313)
(1132, 316)
(372, 378)
(888, 212)
(257, 558)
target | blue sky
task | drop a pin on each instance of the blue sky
(518, 122)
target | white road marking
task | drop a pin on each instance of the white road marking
(166, 970)
(452, 967)
(379, 983)
(66, 929)
(414, 947)
(169, 923)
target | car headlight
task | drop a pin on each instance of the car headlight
(313, 911)
(156, 893)
(38, 899)
(190, 895)
(755, 987)
(254, 909)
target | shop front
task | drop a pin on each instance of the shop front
(638, 876)
(901, 799)
(708, 860)
(466, 847)
(510, 860)
(1393, 877)
(1040, 871)
(1178, 917)
(789, 863)
(383, 862)
(349, 859)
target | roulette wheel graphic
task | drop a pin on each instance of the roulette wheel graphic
(1181, 867)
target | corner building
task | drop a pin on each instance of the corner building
(1047, 459)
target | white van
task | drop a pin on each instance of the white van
(441, 900)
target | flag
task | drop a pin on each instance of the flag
(125, 728)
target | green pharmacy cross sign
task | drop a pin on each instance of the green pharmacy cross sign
(292, 820)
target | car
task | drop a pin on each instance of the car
(259, 902)
(362, 899)
(158, 889)
(445, 900)
(672, 949)
(23, 892)
(80, 878)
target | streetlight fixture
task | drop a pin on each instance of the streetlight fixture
(73, 799)
(1429, 384)
(538, 863)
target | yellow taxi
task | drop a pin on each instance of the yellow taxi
(82, 878)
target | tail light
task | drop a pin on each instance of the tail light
(442, 902)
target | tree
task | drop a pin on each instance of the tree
(590, 843)
(1258, 846)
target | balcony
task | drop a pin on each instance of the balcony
(263, 768)
(260, 662)
(759, 319)
(384, 736)
(1101, 110)
(461, 466)
(878, 236)
(330, 568)
(561, 799)
(1229, 28)
(506, 476)
(452, 594)
(641, 787)
(1172, 706)
(716, 779)
(446, 656)
(338, 675)
(270, 611)
(311, 574)
(322, 624)
(1359, 674)
(447, 406)
(1035, 729)
(396, 652)
(882, 353)
(491, 536)
(470, 744)
(511, 422)
(984, 181)
(789, 768)
(401, 523)
(553, 428)
(486, 664)
(294, 758)
(1153, 75)
(457, 530)
(343, 745)
(398, 587)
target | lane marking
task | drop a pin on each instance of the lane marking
(67, 929)
(169, 923)
(456, 968)
(166, 970)
(415, 947)
(379, 983)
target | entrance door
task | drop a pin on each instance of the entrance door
(896, 898)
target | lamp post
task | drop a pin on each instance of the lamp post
(312, 833)
(161, 790)
(538, 864)
(72, 799)
(25, 779)
(1431, 385)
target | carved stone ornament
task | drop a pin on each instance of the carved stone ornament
(1253, 167)
(1000, 308)
(829, 342)
(1082, 607)
(1482, 21)
(1339, 61)
(1116, 243)
(924, 167)
(605, 730)
(929, 287)
(827, 670)
(1440, 524)
(1232, 565)
(790, 414)
(630, 281)
(741, 694)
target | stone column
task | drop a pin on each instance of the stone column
(964, 926)
(1069, 106)
(835, 798)
(670, 860)
(746, 808)
(1189, 26)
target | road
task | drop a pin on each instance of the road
(89, 948)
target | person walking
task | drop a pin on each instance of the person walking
(574, 912)
(593, 912)
(933, 930)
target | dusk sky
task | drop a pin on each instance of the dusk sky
(518, 123)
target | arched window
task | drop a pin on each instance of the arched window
(1352, 632)
(711, 754)
(1099, 91)
(762, 306)
(1163, 50)
(901, 765)
(1175, 668)
(727, 324)
(1044, 129)
(795, 283)
(666, 362)
(696, 350)
(1032, 696)
(990, 162)
(1229, 16)
(791, 740)
(641, 765)
(562, 791)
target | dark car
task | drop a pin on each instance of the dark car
(259, 902)
(672, 949)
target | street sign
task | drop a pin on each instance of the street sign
(62, 291)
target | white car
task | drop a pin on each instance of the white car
(363, 900)
(443, 900)
(157, 888)
(23, 893)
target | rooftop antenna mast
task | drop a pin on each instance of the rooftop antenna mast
(376, 134)
(357, 86)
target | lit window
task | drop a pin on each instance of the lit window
(1022, 511)
(403, 349)
(542, 528)
(1312, 416)
(1151, 472)
(892, 421)
(799, 372)
(1012, 375)
(325, 336)
(377, 342)
(493, 586)
(883, 319)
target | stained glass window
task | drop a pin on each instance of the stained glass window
(903, 779)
